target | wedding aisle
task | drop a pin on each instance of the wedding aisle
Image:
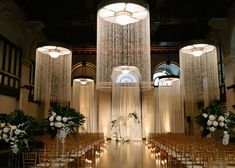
(132, 154)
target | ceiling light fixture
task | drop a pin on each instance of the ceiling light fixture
(197, 50)
(54, 51)
(54, 54)
(167, 80)
(52, 74)
(123, 39)
(123, 13)
(83, 81)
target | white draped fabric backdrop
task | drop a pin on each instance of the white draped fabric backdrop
(168, 108)
(125, 100)
(83, 100)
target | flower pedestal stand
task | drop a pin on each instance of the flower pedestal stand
(217, 136)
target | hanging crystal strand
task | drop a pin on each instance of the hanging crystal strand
(199, 74)
(123, 45)
(52, 74)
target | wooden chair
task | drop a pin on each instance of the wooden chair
(29, 159)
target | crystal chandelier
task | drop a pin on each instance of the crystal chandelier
(83, 79)
(52, 74)
(123, 39)
(199, 73)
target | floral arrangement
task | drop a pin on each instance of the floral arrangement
(64, 120)
(15, 130)
(115, 128)
(134, 115)
(216, 117)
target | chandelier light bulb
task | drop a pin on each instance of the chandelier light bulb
(54, 54)
(83, 81)
(123, 18)
(197, 53)
(123, 13)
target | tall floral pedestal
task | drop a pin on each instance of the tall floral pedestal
(217, 136)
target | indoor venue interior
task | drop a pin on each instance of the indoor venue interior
(117, 83)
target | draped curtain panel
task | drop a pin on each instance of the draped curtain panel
(126, 100)
(168, 108)
(83, 100)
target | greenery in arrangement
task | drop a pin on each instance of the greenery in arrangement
(64, 120)
(16, 129)
(134, 115)
(216, 117)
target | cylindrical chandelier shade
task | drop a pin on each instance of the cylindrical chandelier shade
(53, 74)
(123, 39)
(199, 73)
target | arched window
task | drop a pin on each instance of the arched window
(165, 74)
(125, 74)
(126, 78)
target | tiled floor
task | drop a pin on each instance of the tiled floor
(132, 154)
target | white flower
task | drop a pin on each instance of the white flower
(221, 118)
(58, 118)
(51, 124)
(59, 124)
(205, 115)
(212, 129)
(221, 124)
(53, 113)
(51, 118)
(6, 129)
(226, 126)
(13, 127)
(3, 125)
(226, 136)
(4, 136)
(215, 123)
(225, 132)
(209, 122)
(225, 142)
(17, 131)
(64, 119)
(212, 117)
(13, 138)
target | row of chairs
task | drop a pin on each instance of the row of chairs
(74, 152)
(180, 150)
